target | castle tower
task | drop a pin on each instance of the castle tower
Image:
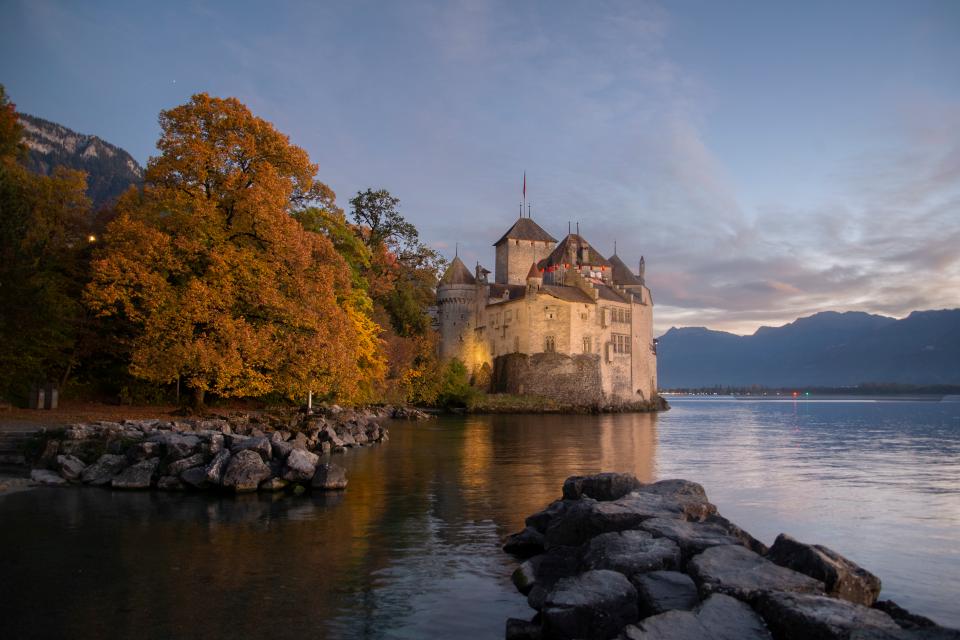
(524, 243)
(456, 294)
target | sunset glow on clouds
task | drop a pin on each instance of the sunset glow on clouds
(769, 161)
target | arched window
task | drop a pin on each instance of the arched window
(549, 344)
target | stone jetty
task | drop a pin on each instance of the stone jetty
(617, 558)
(237, 453)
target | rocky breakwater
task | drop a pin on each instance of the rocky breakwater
(238, 453)
(616, 558)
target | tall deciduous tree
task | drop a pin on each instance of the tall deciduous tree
(227, 291)
(43, 249)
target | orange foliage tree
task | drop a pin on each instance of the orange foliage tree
(223, 288)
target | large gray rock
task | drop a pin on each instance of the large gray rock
(662, 591)
(799, 616)
(138, 476)
(541, 519)
(177, 467)
(631, 553)
(175, 445)
(104, 469)
(281, 449)
(301, 466)
(538, 575)
(217, 467)
(720, 617)
(71, 467)
(580, 520)
(261, 446)
(691, 537)
(195, 477)
(142, 451)
(524, 544)
(592, 605)
(842, 578)
(329, 477)
(601, 486)
(690, 495)
(745, 538)
(245, 471)
(741, 573)
(47, 477)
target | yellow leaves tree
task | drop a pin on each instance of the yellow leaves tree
(222, 287)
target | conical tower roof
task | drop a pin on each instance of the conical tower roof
(457, 273)
(622, 274)
(534, 272)
(526, 229)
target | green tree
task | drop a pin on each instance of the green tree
(43, 254)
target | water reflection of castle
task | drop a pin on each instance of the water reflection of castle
(528, 457)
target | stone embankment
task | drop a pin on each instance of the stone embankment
(238, 453)
(616, 558)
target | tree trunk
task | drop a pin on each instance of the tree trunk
(198, 396)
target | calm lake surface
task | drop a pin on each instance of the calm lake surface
(412, 548)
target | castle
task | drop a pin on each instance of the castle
(559, 320)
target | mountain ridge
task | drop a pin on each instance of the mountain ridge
(110, 169)
(826, 349)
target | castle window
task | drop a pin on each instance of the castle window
(586, 345)
(516, 344)
(507, 316)
(550, 312)
(549, 344)
(620, 342)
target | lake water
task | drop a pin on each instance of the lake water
(412, 548)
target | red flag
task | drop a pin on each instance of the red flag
(524, 185)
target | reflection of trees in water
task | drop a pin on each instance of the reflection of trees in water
(426, 511)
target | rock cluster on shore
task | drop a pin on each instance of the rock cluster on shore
(616, 558)
(239, 453)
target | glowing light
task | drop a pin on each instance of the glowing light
(91, 238)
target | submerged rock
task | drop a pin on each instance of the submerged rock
(47, 477)
(841, 577)
(329, 476)
(525, 543)
(592, 605)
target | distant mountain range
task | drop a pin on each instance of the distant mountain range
(110, 169)
(825, 349)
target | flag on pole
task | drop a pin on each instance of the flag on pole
(524, 185)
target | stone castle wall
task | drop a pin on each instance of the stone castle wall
(569, 379)
(514, 258)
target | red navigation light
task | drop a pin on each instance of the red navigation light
(795, 394)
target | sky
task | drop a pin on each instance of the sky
(769, 160)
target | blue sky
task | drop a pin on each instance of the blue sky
(769, 159)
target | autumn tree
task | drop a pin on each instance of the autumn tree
(226, 290)
(43, 254)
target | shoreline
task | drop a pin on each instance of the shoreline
(615, 557)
